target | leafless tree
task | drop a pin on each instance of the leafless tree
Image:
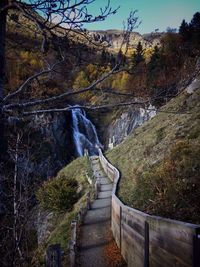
(15, 224)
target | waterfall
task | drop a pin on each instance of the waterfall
(84, 133)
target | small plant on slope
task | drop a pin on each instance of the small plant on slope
(58, 194)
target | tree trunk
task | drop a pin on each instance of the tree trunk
(3, 14)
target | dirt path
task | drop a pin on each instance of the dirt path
(97, 247)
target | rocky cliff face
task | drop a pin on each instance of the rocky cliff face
(113, 127)
(114, 38)
(122, 127)
(45, 145)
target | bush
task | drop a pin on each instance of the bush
(58, 194)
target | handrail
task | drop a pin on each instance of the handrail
(151, 239)
(115, 171)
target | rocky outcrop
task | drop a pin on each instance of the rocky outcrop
(122, 126)
(45, 148)
(45, 145)
(194, 85)
(114, 38)
(43, 224)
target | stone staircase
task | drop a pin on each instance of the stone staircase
(97, 247)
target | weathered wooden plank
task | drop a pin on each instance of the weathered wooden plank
(116, 212)
(116, 233)
(134, 260)
(134, 223)
(133, 238)
(162, 258)
(172, 238)
(133, 253)
(170, 246)
(116, 221)
(136, 213)
(176, 229)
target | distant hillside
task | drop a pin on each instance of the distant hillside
(113, 38)
(160, 161)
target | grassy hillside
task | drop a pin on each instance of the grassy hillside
(160, 162)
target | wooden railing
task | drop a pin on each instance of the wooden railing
(146, 240)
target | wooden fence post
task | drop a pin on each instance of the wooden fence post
(72, 243)
(196, 249)
(79, 217)
(88, 201)
(96, 188)
(146, 244)
(72, 253)
(53, 256)
(120, 229)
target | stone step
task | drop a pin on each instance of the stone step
(105, 181)
(104, 194)
(101, 203)
(95, 233)
(106, 187)
(98, 215)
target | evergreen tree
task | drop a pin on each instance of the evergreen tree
(155, 59)
(112, 60)
(184, 31)
(104, 57)
(195, 28)
(138, 56)
(154, 67)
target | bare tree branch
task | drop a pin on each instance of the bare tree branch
(31, 78)
(107, 106)
(58, 97)
(87, 107)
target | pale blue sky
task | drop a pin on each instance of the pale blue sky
(153, 13)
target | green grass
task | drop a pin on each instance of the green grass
(77, 170)
(146, 152)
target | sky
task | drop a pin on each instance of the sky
(154, 14)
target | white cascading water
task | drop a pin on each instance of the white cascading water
(84, 133)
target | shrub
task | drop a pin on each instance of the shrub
(171, 188)
(58, 194)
